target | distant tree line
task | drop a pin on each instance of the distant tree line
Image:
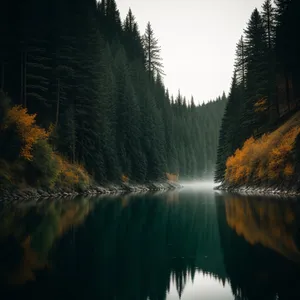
(265, 87)
(98, 81)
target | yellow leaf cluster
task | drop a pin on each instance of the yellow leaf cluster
(261, 105)
(124, 178)
(172, 177)
(241, 173)
(288, 170)
(71, 174)
(267, 158)
(27, 129)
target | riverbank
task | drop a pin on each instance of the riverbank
(7, 195)
(280, 190)
(267, 165)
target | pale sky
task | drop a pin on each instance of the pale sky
(198, 40)
(204, 287)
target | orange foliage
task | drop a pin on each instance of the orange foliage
(261, 105)
(236, 168)
(27, 129)
(172, 177)
(30, 134)
(65, 215)
(124, 178)
(72, 216)
(28, 265)
(266, 158)
(266, 222)
(288, 170)
(71, 174)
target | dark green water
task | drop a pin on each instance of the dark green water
(194, 244)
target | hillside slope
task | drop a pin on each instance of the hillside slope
(264, 94)
(269, 161)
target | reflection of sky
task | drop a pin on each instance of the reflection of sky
(204, 288)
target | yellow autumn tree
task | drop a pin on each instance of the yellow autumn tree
(124, 178)
(172, 177)
(267, 158)
(27, 129)
(71, 174)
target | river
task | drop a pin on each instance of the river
(191, 244)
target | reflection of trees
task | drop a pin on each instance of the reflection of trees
(131, 248)
(270, 223)
(32, 231)
(260, 248)
(135, 249)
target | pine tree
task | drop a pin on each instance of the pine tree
(132, 160)
(240, 62)
(230, 138)
(269, 23)
(272, 79)
(281, 8)
(109, 115)
(4, 33)
(100, 84)
(152, 52)
(287, 49)
(282, 32)
(132, 40)
(257, 74)
(109, 18)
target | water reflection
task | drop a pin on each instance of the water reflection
(260, 251)
(267, 221)
(187, 245)
(204, 286)
(28, 234)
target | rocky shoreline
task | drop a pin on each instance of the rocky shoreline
(8, 195)
(279, 190)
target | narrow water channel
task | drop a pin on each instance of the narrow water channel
(192, 244)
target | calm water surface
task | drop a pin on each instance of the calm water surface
(192, 244)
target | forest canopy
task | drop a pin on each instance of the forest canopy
(254, 146)
(97, 82)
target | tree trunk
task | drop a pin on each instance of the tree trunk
(25, 78)
(22, 78)
(277, 103)
(287, 90)
(73, 150)
(2, 77)
(149, 56)
(57, 101)
(243, 62)
(269, 31)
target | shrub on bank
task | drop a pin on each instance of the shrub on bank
(44, 164)
(72, 175)
(268, 159)
(172, 177)
(28, 158)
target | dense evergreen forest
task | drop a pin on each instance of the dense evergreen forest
(264, 95)
(90, 85)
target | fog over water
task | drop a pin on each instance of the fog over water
(207, 184)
